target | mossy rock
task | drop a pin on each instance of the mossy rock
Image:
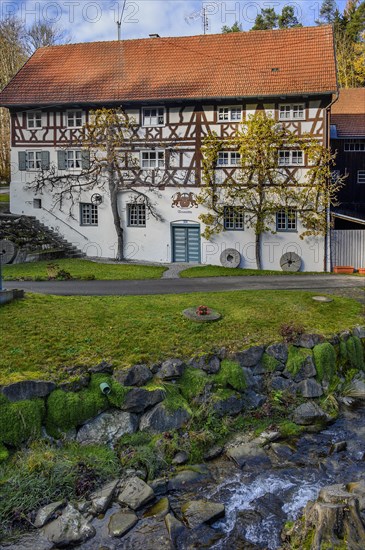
(352, 353)
(325, 361)
(66, 410)
(192, 383)
(269, 363)
(297, 358)
(21, 421)
(231, 375)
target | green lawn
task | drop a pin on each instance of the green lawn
(42, 336)
(82, 269)
(4, 197)
(218, 271)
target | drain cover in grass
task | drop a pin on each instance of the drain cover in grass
(191, 314)
(323, 299)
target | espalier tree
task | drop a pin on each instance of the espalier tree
(107, 165)
(260, 186)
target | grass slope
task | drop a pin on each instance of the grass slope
(43, 335)
(4, 197)
(82, 269)
(218, 271)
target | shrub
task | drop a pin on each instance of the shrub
(290, 332)
(325, 361)
(21, 421)
(352, 353)
(232, 375)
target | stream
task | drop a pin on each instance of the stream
(296, 477)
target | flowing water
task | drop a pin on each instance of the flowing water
(308, 468)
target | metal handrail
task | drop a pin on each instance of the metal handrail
(68, 225)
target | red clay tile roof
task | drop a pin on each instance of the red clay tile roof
(348, 113)
(221, 65)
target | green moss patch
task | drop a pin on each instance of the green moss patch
(21, 421)
(297, 358)
(352, 353)
(325, 361)
(66, 410)
(232, 375)
(192, 383)
(269, 362)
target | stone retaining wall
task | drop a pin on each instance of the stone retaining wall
(162, 397)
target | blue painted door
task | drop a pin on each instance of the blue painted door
(186, 244)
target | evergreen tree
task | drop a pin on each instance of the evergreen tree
(288, 19)
(236, 27)
(327, 13)
(268, 19)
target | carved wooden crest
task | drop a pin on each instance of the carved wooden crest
(184, 200)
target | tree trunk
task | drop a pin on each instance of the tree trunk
(258, 250)
(113, 188)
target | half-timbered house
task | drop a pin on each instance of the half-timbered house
(177, 90)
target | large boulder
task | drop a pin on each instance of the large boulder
(136, 493)
(230, 406)
(248, 452)
(309, 340)
(159, 419)
(139, 400)
(332, 521)
(107, 428)
(148, 534)
(28, 389)
(310, 388)
(250, 357)
(189, 478)
(279, 352)
(171, 369)
(138, 375)
(197, 512)
(209, 363)
(309, 413)
(69, 529)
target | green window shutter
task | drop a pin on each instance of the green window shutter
(61, 157)
(45, 160)
(22, 160)
(85, 160)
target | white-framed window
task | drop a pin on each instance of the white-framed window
(73, 160)
(228, 158)
(361, 176)
(286, 220)
(136, 215)
(354, 146)
(230, 114)
(88, 214)
(153, 116)
(34, 120)
(34, 160)
(234, 218)
(291, 158)
(152, 159)
(295, 111)
(74, 118)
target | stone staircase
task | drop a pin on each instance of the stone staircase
(34, 240)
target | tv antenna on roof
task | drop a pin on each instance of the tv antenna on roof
(119, 23)
(200, 14)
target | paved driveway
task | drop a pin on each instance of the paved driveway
(319, 283)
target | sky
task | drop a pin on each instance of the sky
(94, 20)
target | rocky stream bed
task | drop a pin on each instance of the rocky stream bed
(239, 500)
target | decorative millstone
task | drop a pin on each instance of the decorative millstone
(290, 262)
(323, 299)
(230, 258)
(191, 314)
(7, 251)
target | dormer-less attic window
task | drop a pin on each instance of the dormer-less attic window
(34, 120)
(74, 119)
